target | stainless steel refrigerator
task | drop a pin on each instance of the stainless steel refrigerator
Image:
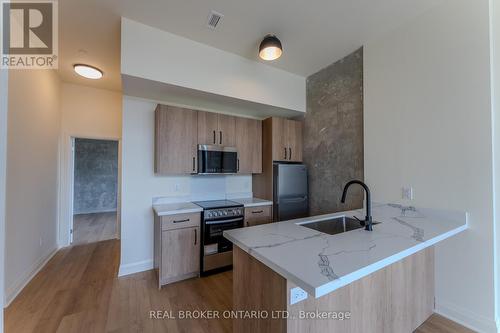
(290, 196)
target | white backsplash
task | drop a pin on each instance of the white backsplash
(199, 188)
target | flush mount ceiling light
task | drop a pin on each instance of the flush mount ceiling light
(88, 72)
(270, 48)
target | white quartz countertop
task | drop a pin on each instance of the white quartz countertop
(176, 208)
(320, 263)
(253, 202)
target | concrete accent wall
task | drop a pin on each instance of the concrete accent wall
(96, 176)
(333, 134)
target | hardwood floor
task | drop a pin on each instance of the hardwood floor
(96, 227)
(78, 291)
(439, 324)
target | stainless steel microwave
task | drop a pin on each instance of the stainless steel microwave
(217, 160)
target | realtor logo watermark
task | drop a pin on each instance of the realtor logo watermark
(29, 35)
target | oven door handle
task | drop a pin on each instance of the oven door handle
(225, 221)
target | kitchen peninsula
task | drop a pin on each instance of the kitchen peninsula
(384, 278)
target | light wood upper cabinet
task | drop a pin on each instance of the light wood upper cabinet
(249, 145)
(280, 148)
(216, 129)
(293, 135)
(227, 130)
(286, 140)
(178, 131)
(208, 128)
(176, 136)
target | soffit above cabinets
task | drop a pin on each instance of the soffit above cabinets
(180, 71)
(199, 100)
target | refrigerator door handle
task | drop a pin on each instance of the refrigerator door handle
(291, 200)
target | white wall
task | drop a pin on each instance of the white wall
(140, 186)
(182, 62)
(495, 72)
(90, 112)
(85, 113)
(32, 174)
(428, 124)
(4, 95)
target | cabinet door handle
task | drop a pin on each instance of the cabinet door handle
(181, 221)
(257, 211)
(214, 136)
(290, 150)
(285, 153)
(220, 137)
(195, 236)
(194, 163)
(238, 165)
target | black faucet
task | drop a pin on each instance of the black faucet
(368, 218)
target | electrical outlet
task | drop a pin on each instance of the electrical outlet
(407, 193)
(297, 294)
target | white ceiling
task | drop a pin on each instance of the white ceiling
(314, 33)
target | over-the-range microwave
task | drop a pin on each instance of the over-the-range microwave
(217, 160)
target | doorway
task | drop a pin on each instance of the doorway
(94, 190)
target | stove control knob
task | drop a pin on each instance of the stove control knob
(209, 214)
(225, 212)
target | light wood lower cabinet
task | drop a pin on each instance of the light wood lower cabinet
(177, 247)
(257, 215)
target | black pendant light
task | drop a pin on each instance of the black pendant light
(270, 48)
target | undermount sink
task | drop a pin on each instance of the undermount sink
(335, 225)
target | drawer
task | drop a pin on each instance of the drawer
(260, 214)
(170, 222)
(217, 260)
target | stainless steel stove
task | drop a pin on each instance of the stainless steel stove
(216, 251)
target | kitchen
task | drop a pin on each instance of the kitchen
(312, 165)
(196, 239)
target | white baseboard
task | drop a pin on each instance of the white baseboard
(14, 290)
(114, 210)
(135, 267)
(464, 317)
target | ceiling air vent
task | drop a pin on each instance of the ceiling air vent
(214, 19)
